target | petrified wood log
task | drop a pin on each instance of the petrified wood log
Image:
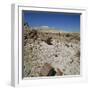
(47, 70)
(59, 72)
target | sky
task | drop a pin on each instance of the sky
(69, 22)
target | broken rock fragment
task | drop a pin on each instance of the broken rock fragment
(47, 70)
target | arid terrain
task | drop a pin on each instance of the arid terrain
(51, 53)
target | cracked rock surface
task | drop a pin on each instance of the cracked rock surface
(59, 50)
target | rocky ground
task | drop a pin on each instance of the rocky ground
(51, 54)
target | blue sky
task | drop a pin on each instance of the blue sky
(61, 21)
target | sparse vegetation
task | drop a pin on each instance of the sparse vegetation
(49, 41)
(56, 49)
(68, 35)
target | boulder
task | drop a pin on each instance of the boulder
(47, 70)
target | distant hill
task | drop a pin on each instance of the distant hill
(46, 29)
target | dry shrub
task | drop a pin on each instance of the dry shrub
(49, 41)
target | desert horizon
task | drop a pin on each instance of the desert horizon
(51, 44)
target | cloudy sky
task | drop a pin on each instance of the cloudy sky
(60, 21)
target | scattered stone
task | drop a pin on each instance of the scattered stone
(41, 48)
(56, 55)
(67, 45)
(71, 61)
(28, 72)
(78, 54)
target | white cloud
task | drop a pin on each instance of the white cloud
(46, 27)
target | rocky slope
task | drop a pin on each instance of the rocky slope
(51, 53)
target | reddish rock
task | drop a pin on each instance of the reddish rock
(59, 72)
(47, 70)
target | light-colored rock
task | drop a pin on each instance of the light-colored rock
(64, 54)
